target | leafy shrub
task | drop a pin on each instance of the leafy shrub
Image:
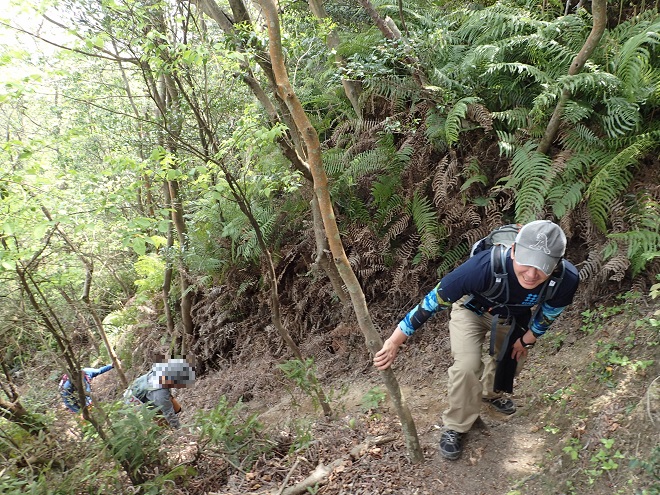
(223, 429)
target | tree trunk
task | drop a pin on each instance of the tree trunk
(599, 12)
(322, 251)
(186, 296)
(276, 113)
(87, 287)
(310, 137)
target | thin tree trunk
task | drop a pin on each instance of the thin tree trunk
(322, 251)
(310, 137)
(599, 12)
(89, 271)
(276, 317)
(186, 296)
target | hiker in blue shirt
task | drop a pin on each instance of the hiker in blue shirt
(68, 391)
(493, 291)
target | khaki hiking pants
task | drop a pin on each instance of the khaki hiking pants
(472, 375)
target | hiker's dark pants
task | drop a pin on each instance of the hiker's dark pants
(472, 375)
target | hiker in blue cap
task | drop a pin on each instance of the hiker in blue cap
(493, 291)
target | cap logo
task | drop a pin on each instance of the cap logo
(541, 244)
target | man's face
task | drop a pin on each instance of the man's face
(171, 384)
(528, 276)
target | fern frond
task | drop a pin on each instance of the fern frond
(334, 161)
(643, 236)
(514, 118)
(564, 197)
(455, 118)
(518, 69)
(594, 83)
(452, 258)
(365, 163)
(407, 248)
(591, 266)
(615, 268)
(622, 116)
(502, 21)
(580, 139)
(397, 227)
(575, 112)
(435, 129)
(479, 113)
(507, 143)
(612, 179)
(426, 221)
(633, 57)
(531, 173)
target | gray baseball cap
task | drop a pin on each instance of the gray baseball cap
(540, 244)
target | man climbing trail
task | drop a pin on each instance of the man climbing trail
(493, 291)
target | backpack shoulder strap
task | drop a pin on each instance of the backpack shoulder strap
(555, 280)
(552, 284)
(500, 283)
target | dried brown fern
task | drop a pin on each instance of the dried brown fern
(480, 114)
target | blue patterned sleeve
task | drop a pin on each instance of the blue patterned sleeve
(543, 318)
(431, 304)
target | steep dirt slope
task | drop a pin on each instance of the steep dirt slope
(588, 406)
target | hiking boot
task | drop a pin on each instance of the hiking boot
(450, 444)
(505, 406)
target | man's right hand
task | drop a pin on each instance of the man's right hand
(386, 356)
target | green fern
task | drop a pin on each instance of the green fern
(455, 118)
(581, 139)
(643, 238)
(426, 221)
(452, 258)
(564, 197)
(519, 70)
(531, 175)
(502, 21)
(514, 118)
(365, 163)
(613, 178)
(621, 118)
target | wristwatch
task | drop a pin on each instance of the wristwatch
(525, 344)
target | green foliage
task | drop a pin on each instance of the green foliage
(612, 177)
(225, 430)
(150, 269)
(531, 175)
(373, 399)
(451, 258)
(425, 219)
(136, 438)
(455, 117)
(592, 320)
(303, 374)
